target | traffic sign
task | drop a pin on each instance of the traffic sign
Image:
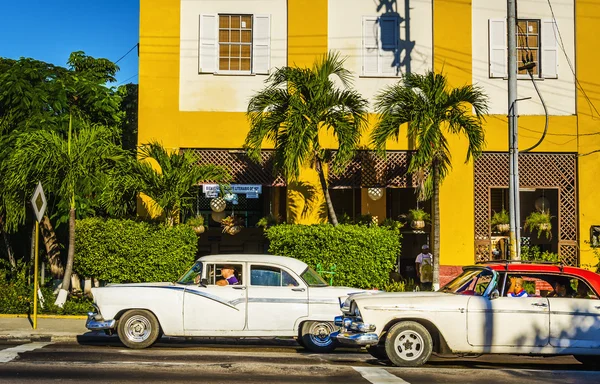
(38, 201)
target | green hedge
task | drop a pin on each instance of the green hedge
(363, 256)
(119, 251)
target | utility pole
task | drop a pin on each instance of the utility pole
(513, 134)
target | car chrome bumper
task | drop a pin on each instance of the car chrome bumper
(96, 323)
(356, 338)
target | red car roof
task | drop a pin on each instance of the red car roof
(592, 278)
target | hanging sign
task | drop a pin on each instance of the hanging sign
(250, 190)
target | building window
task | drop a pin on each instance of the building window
(528, 45)
(536, 42)
(234, 44)
(381, 37)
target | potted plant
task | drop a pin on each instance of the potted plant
(417, 218)
(540, 221)
(197, 223)
(218, 203)
(268, 221)
(232, 225)
(500, 221)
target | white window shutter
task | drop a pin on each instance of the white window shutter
(549, 57)
(261, 44)
(370, 45)
(498, 48)
(208, 43)
(389, 31)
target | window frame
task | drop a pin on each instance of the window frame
(281, 269)
(547, 29)
(378, 45)
(209, 45)
(230, 43)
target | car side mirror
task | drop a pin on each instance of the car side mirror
(204, 282)
(495, 294)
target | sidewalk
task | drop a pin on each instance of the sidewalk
(53, 328)
(19, 328)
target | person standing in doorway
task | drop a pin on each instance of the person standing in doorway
(424, 267)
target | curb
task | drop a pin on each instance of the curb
(17, 316)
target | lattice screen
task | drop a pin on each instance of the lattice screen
(535, 171)
(365, 170)
(243, 170)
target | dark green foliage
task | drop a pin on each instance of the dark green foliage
(363, 256)
(15, 293)
(118, 251)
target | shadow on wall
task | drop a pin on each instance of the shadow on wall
(389, 23)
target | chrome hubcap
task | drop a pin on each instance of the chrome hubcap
(137, 328)
(320, 334)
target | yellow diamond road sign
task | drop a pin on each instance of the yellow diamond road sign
(38, 201)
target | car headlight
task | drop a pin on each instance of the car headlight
(354, 310)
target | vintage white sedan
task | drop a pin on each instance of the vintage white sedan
(265, 296)
(503, 308)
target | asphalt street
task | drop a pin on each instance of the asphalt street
(184, 361)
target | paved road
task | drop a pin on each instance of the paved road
(247, 362)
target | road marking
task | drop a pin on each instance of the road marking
(379, 376)
(9, 354)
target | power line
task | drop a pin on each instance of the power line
(132, 48)
(126, 80)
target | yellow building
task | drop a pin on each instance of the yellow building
(202, 60)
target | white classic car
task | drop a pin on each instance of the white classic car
(502, 308)
(265, 296)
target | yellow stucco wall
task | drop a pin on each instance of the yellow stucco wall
(588, 57)
(160, 118)
(452, 56)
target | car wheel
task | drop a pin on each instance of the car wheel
(408, 344)
(588, 360)
(138, 329)
(316, 336)
(378, 352)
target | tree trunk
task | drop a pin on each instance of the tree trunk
(71, 252)
(321, 172)
(436, 227)
(57, 267)
(9, 251)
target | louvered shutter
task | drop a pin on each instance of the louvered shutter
(389, 31)
(370, 46)
(261, 44)
(498, 48)
(549, 49)
(208, 42)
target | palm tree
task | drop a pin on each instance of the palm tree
(170, 186)
(432, 110)
(295, 106)
(67, 165)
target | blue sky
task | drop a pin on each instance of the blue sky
(49, 30)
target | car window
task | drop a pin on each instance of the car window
(524, 285)
(312, 278)
(190, 276)
(549, 285)
(216, 276)
(471, 282)
(263, 275)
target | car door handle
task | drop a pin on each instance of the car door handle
(298, 289)
(238, 287)
(539, 304)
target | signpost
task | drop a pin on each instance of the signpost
(38, 201)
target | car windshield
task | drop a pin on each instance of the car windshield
(190, 275)
(312, 278)
(473, 281)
